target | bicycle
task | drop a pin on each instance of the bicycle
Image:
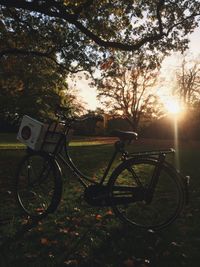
(143, 190)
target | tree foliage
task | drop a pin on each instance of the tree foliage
(33, 86)
(30, 34)
(33, 83)
(158, 25)
(28, 86)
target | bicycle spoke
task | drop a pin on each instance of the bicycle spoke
(38, 187)
(140, 206)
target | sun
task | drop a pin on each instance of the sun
(173, 106)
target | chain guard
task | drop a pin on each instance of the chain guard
(97, 195)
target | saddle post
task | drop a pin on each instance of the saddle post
(119, 148)
(109, 166)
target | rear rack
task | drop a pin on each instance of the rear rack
(152, 153)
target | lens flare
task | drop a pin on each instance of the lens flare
(176, 143)
(175, 109)
(173, 106)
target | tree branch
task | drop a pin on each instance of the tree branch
(70, 14)
(14, 51)
(181, 22)
(60, 11)
(159, 7)
(24, 52)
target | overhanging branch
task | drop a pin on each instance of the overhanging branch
(61, 11)
(24, 52)
(16, 51)
(71, 15)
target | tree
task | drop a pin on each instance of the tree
(28, 87)
(188, 82)
(34, 87)
(158, 25)
(126, 87)
(32, 83)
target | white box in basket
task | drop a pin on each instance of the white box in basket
(31, 132)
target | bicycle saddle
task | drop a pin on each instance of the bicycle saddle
(125, 135)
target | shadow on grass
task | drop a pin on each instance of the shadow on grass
(92, 241)
(78, 235)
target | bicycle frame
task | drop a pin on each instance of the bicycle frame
(83, 179)
(119, 148)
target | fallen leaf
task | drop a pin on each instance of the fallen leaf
(40, 209)
(64, 230)
(129, 263)
(109, 212)
(51, 255)
(71, 263)
(98, 217)
(44, 241)
(73, 233)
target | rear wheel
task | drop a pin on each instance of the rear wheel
(38, 184)
(131, 199)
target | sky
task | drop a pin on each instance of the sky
(172, 63)
(88, 94)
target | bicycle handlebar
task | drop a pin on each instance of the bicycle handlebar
(63, 113)
(84, 119)
(60, 111)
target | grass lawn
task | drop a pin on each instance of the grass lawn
(79, 235)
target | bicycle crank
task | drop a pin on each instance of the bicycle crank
(97, 195)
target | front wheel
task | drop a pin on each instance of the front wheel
(38, 184)
(134, 203)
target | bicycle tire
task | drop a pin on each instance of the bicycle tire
(168, 197)
(38, 184)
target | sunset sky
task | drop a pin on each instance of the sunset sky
(88, 94)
